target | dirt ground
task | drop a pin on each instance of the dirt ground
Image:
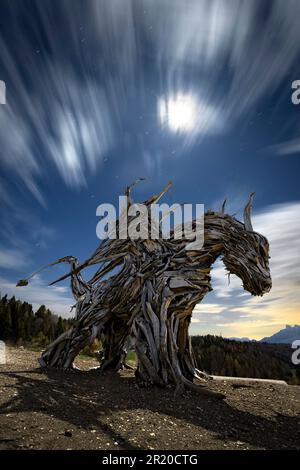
(82, 410)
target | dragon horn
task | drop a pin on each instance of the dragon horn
(223, 206)
(247, 214)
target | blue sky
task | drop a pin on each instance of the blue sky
(84, 85)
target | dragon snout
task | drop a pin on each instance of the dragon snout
(267, 285)
(259, 287)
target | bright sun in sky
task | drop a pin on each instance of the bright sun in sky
(179, 113)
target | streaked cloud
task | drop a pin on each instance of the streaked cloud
(66, 116)
(68, 110)
(82, 135)
(214, 32)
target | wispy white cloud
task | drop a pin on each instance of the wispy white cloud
(16, 153)
(81, 137)
(12, 259)
(58, 299)
(290, 147)
(209, 308)
(281, 225)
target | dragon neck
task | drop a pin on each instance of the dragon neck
(217, 235)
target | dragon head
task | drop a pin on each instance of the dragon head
(247, 255)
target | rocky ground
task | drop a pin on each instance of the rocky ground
(83, 410)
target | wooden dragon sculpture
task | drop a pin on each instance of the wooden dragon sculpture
(152, 296)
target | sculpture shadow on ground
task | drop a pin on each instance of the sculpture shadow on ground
(85, 399)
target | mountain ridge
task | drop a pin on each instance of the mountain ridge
(287, 335)
(284, 336)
